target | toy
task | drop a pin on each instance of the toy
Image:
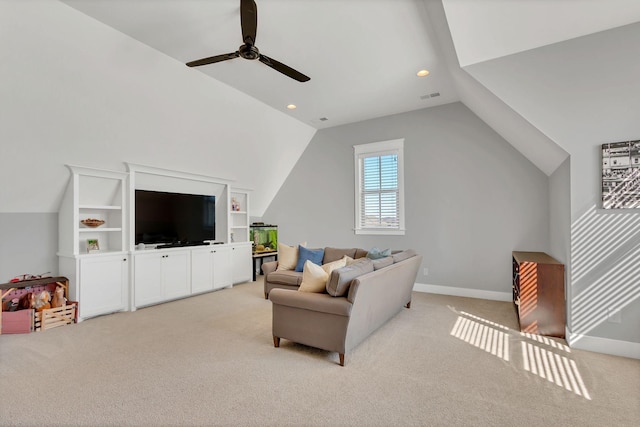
(26, 301)
(58, 299)
(41, 301)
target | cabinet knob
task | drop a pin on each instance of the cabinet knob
(124, 259)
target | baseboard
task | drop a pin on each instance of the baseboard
(463, 292)
(603, 345)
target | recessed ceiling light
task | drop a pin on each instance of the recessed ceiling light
(291, 107)
(422, 73)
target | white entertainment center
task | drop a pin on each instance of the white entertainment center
(118, 275)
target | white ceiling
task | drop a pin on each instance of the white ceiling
(489, 29)
(362, 55)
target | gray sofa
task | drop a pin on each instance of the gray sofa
(366, 298)
(288, 279)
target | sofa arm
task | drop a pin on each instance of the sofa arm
(323, 303)
(269, 267)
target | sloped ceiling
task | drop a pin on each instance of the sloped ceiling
(489, 29)
(523, 67)
(362, 55)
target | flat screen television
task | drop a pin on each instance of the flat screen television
(174, 218)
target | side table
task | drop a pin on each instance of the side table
(258, 259)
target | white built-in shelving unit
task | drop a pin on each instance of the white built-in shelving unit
(98, 279)
(121, 276)
(239, 215)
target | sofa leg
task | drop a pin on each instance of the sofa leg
(408, 304)
(341, 359)
(276, 341)
(266, 295)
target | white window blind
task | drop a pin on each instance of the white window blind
(379, 188)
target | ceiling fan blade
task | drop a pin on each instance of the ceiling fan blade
(249, 21)
(284, 69)
(213, 59)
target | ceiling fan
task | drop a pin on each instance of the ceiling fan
(249, 24)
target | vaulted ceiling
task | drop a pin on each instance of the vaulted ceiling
(363, 56)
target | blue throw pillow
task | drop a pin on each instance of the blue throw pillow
(313, 255)
(376, 253)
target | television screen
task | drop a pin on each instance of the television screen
(174, 218)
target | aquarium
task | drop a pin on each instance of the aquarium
(264, 237)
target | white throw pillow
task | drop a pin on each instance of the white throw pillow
(348, 260)
(314, 278)
(288, 256)
(330, 266)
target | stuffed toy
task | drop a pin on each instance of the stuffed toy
(58, 299)
(26, 301)
(41, 301)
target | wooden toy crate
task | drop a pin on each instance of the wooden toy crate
(53, 317)
(25, 321)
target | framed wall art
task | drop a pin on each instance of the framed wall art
(621, 175)
(93, 245)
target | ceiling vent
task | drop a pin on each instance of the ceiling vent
(431, 95)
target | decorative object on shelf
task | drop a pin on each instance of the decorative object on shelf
(92, 222)
(235, 206)
(93, 245)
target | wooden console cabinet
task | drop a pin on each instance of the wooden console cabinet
(538, 293)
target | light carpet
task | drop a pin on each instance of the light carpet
(210, 360)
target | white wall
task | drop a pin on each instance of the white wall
(583, 93)
(75, 91)
(28, 244)
(471, 198)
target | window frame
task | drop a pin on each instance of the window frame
(377, 149)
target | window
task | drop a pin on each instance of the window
(379, 187)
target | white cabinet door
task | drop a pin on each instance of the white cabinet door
(201, 270)
(222, 270)
(147, 279)
(241, 263)
(176, 276)
(103, 284)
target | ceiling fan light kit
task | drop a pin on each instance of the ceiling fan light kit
(249, 24)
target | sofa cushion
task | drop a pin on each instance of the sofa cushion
(376, 253)
(334, 254)
(338, 284)
(360, 253)
(401, 256)
(314, 278)
(382, 262)
(285, 277)
(330, 266)
(288, 256)
(306, 254)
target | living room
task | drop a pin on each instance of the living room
(513, 164)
